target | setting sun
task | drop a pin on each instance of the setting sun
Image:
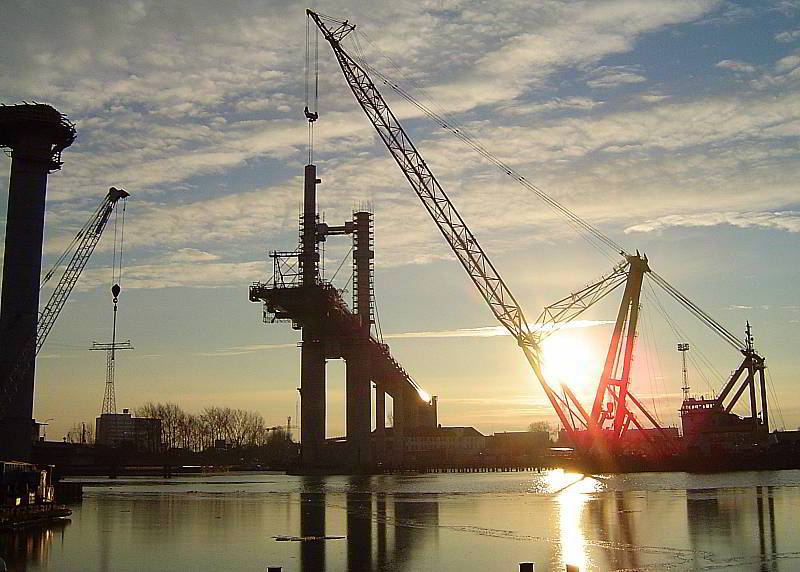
(570, 357)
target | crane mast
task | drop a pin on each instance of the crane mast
(449, 222)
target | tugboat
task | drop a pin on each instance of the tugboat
(27, 495)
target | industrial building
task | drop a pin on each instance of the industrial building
(125, 430)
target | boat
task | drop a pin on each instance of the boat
(27, 495)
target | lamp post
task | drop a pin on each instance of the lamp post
(683, 348)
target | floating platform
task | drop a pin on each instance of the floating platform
(13, 517)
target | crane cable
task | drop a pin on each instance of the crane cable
(116, 273)
(774, 397)
(311, 110)
(650, 342)
(589, 232)
(715, 326)
(446, 120)
(341, 264)
(680, 335)
(119, 242)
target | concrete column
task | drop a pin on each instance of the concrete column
(359, 371)
(312, 367)
(363, 255)
(380, 424)
(399, 428)
(312, 400)
(358, 407)
(411, 409)
(36, 133)
(22, 268)
(309, 255)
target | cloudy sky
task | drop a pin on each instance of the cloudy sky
(672, 126)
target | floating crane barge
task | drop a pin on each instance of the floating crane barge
(612, 435)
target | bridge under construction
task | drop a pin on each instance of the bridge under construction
(332, 330)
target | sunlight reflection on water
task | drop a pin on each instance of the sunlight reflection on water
(443, 522)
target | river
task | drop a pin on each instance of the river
(437, 522)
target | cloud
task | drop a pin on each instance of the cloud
(558, 104)
(482, 332)
(788, 63)
(242, 350)
(492, 331)
(788, 221)
(161, 96)
(736, 66)
(178, 274)
(785, 74)
(652, 97)
(730, 14)
(788, 36)
(605, 77)
(190, 255)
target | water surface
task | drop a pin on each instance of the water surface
(441, 522)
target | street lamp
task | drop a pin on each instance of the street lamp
(683, 348)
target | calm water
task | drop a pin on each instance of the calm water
(450, 522)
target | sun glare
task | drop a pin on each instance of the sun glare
(570, 358)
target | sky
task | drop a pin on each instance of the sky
(671, 126)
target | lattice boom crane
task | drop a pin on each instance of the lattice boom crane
(87, 239)
(461, 240)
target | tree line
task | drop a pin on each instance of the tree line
(197, 432)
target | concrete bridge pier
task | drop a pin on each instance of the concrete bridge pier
(358, 408)
(36, 134)
(312, 399)
(379, 454)
(399, 422)
(359, 370)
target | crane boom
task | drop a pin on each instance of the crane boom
(449, 222)
(88, 237)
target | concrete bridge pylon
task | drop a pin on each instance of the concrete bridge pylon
(333, 330)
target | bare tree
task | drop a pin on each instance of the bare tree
(541, 427)
(81, 433)
(237, 427)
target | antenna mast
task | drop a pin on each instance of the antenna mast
(109, 396)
